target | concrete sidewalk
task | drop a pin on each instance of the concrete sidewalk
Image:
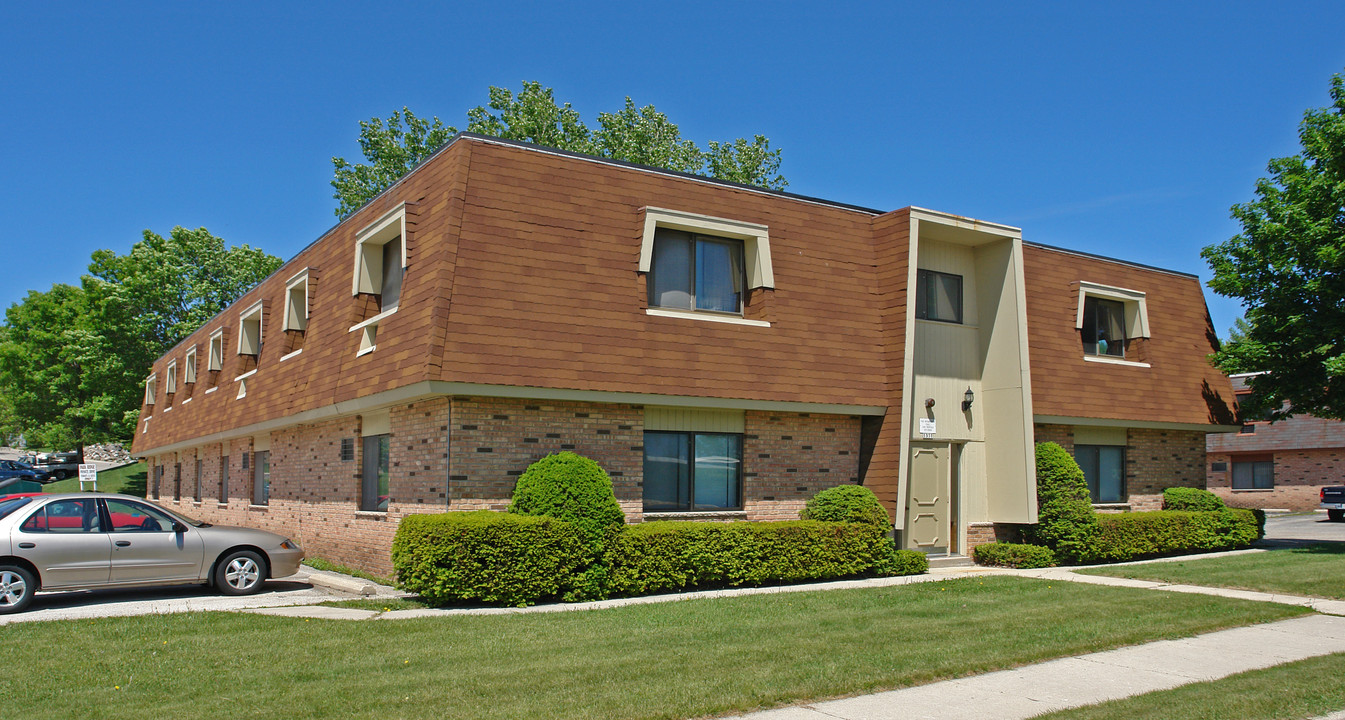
(1089, 679)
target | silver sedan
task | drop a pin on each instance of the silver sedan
(100, 540)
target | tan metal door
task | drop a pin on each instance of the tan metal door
(928, 526)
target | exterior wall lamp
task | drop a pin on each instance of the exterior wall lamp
(967, 398)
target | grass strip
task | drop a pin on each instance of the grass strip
(1293, 691)
(127, 479)
(379, 604)
(1310, 571)
(667, 660)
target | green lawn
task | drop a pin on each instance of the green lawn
(1293, 691)
(667, 660)
(129, 479)
(1317, 571)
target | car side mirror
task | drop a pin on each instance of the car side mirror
(179, 528)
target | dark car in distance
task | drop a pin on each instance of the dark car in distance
(1333, 499)
(14, 469)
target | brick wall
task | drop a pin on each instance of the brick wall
(1299, 477)
(467, 453)
(789, 457)
(1155, 460)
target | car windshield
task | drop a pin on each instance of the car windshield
(9, 506)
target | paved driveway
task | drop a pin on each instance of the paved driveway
(89, 604)
(1299, 529)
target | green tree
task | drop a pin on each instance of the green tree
(639, 135)
(73, 359)
(1287, 267)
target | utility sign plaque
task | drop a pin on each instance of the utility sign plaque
(927, 427)
(88, 473)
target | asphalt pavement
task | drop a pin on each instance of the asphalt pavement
(1301, 529)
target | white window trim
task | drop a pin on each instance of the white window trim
(189, 367)
(755, 237)
(246, 375)
(211, 365)
(287, 356)
(377, 234)
(1136, 309)
(708, 317)
(1107, 359)
(151, 388)
(298, 323)
(369, 332)
(255, 309)
(373, 320)
(170, 381)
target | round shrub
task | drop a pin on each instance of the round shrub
(1066, 522)
(902, 562)
(847, 503)
(1183, 498)
(1013, 555)
(573, 488)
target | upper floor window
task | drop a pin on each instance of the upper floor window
(189, 366)
(938, 296)
(380, 259)
(216, 359)
(151, 388)
(1104, 327)
(703, 267)
(696, 272)
(1109, 318)
(170, 387)
(296, 302)
(250, 331)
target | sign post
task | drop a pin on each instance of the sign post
(88, 473)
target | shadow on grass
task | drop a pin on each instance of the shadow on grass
(136, 484)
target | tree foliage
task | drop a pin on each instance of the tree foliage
(73, 358)
(1287, 267)
(641, 135)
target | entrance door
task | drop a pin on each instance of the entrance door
(928, 524)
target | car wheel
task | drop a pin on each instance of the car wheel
(1335, 515)
(17, 586)
(240, 573)
(60, 475)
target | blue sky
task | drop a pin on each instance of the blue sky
(1126, 130)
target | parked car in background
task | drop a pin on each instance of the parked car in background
(1333, 499)
(23, 471)
(93, 540)
(59, 465)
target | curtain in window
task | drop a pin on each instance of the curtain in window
(374, 483)
(392, 274)
(670, 281)
(1104, 470)
(261, 477)
(716, 281)
(947, 297)
(667, 472)
(718, 458)
(1254, 475)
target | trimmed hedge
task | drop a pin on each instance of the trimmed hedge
(666, 556)
(1184, 498)
(487, 556)
(1135, 535)
(573, 488)
(847, 503)
(1066, 522)
(1013, 555)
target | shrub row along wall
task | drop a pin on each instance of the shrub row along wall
(518, 560)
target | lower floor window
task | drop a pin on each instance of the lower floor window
(374, 475)
(261, 477)
(1254, 475)
(1104, 469)
(692, 471)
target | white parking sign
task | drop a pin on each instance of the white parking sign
(88, 473)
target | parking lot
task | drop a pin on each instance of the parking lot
(1300, 529)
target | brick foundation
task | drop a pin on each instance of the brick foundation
(466, 453)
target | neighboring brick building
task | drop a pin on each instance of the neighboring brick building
(724, 352)
(1281, 465)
